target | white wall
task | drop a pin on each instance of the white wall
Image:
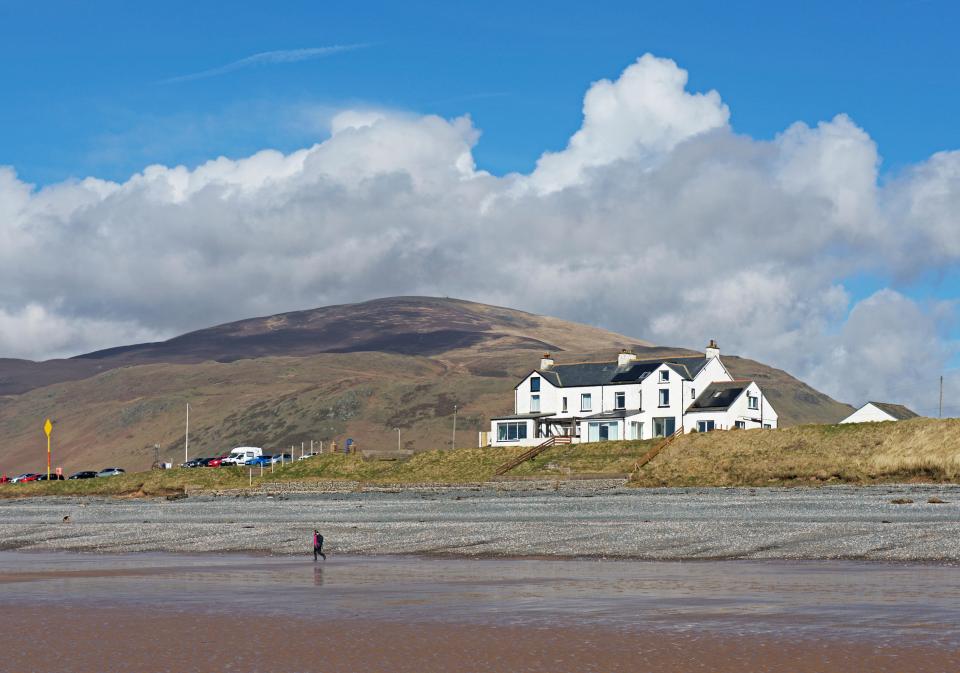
(738, 411)
(868, 414)
(549, 397)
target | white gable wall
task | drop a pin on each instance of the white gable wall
(868, 413)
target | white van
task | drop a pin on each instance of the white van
(241, 454)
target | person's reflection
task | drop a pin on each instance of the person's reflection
(318, 576)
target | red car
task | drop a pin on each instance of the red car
(216, 462)
(30, 477)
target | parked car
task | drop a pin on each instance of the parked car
(308, 455)
(20, 477)
(85, 474)
(195, 462)
(53, 477)
(110, 472)
(216, 461)
(241, 454)
(33, 476)
(283, 458)
(259, 460)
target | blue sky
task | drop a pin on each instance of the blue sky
(85, 92)
(105, 89)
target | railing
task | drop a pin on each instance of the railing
(532, 453)
(652, 453)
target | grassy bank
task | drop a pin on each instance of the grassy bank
(920, 449)
(915, 450)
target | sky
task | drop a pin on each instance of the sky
(783, 179)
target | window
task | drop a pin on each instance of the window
(619, 400)
(753, 402)
(586, 402)
(534, 384)
(534, 404)
(664, 397)
(767, 426)
(664, 375)
(511, 432)
(563, 408)
(636, 430)
(693, 393)
(741, 425)
(602, 432)
(705, 426)
(664, 427)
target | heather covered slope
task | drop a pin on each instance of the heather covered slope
(358, 371)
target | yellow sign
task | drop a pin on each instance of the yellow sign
(48, 427)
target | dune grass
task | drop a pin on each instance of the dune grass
(914, 450)
(919, 449)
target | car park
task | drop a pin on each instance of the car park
(85, 474)
(241, 454)
(110, 472)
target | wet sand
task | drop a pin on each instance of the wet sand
(172, 612)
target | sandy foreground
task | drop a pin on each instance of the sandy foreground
(144, 612)
(566, 519)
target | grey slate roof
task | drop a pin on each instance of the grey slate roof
(898, 411)
(604, 373)
(718, 396)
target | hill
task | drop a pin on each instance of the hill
(359, 370)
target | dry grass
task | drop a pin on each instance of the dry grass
(914, 450)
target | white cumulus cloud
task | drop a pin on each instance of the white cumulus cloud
(657, 220)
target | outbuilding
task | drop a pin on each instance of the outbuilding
(873, 412)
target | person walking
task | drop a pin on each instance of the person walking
(318, 545)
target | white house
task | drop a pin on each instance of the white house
(630, 398)
(872, 412)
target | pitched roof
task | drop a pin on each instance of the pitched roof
(603, 373)
(898, 411)
(718, 396)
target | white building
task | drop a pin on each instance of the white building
(873, 412)
(630, 399)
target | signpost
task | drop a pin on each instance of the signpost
(47, 429)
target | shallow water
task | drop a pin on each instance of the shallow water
(879, 602)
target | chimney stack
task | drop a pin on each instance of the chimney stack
(625, 358)
(712, 350)
(546, 362)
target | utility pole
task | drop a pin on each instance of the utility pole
(453, 442)
(941, 396)
(398, 438)
(186, 437)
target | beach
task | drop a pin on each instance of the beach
(517, 577)
(90, 613)
(907, 523)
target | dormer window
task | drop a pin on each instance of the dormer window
(534, 384)
(664, 375)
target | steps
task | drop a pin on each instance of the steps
(531, 453)
(652, 453)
